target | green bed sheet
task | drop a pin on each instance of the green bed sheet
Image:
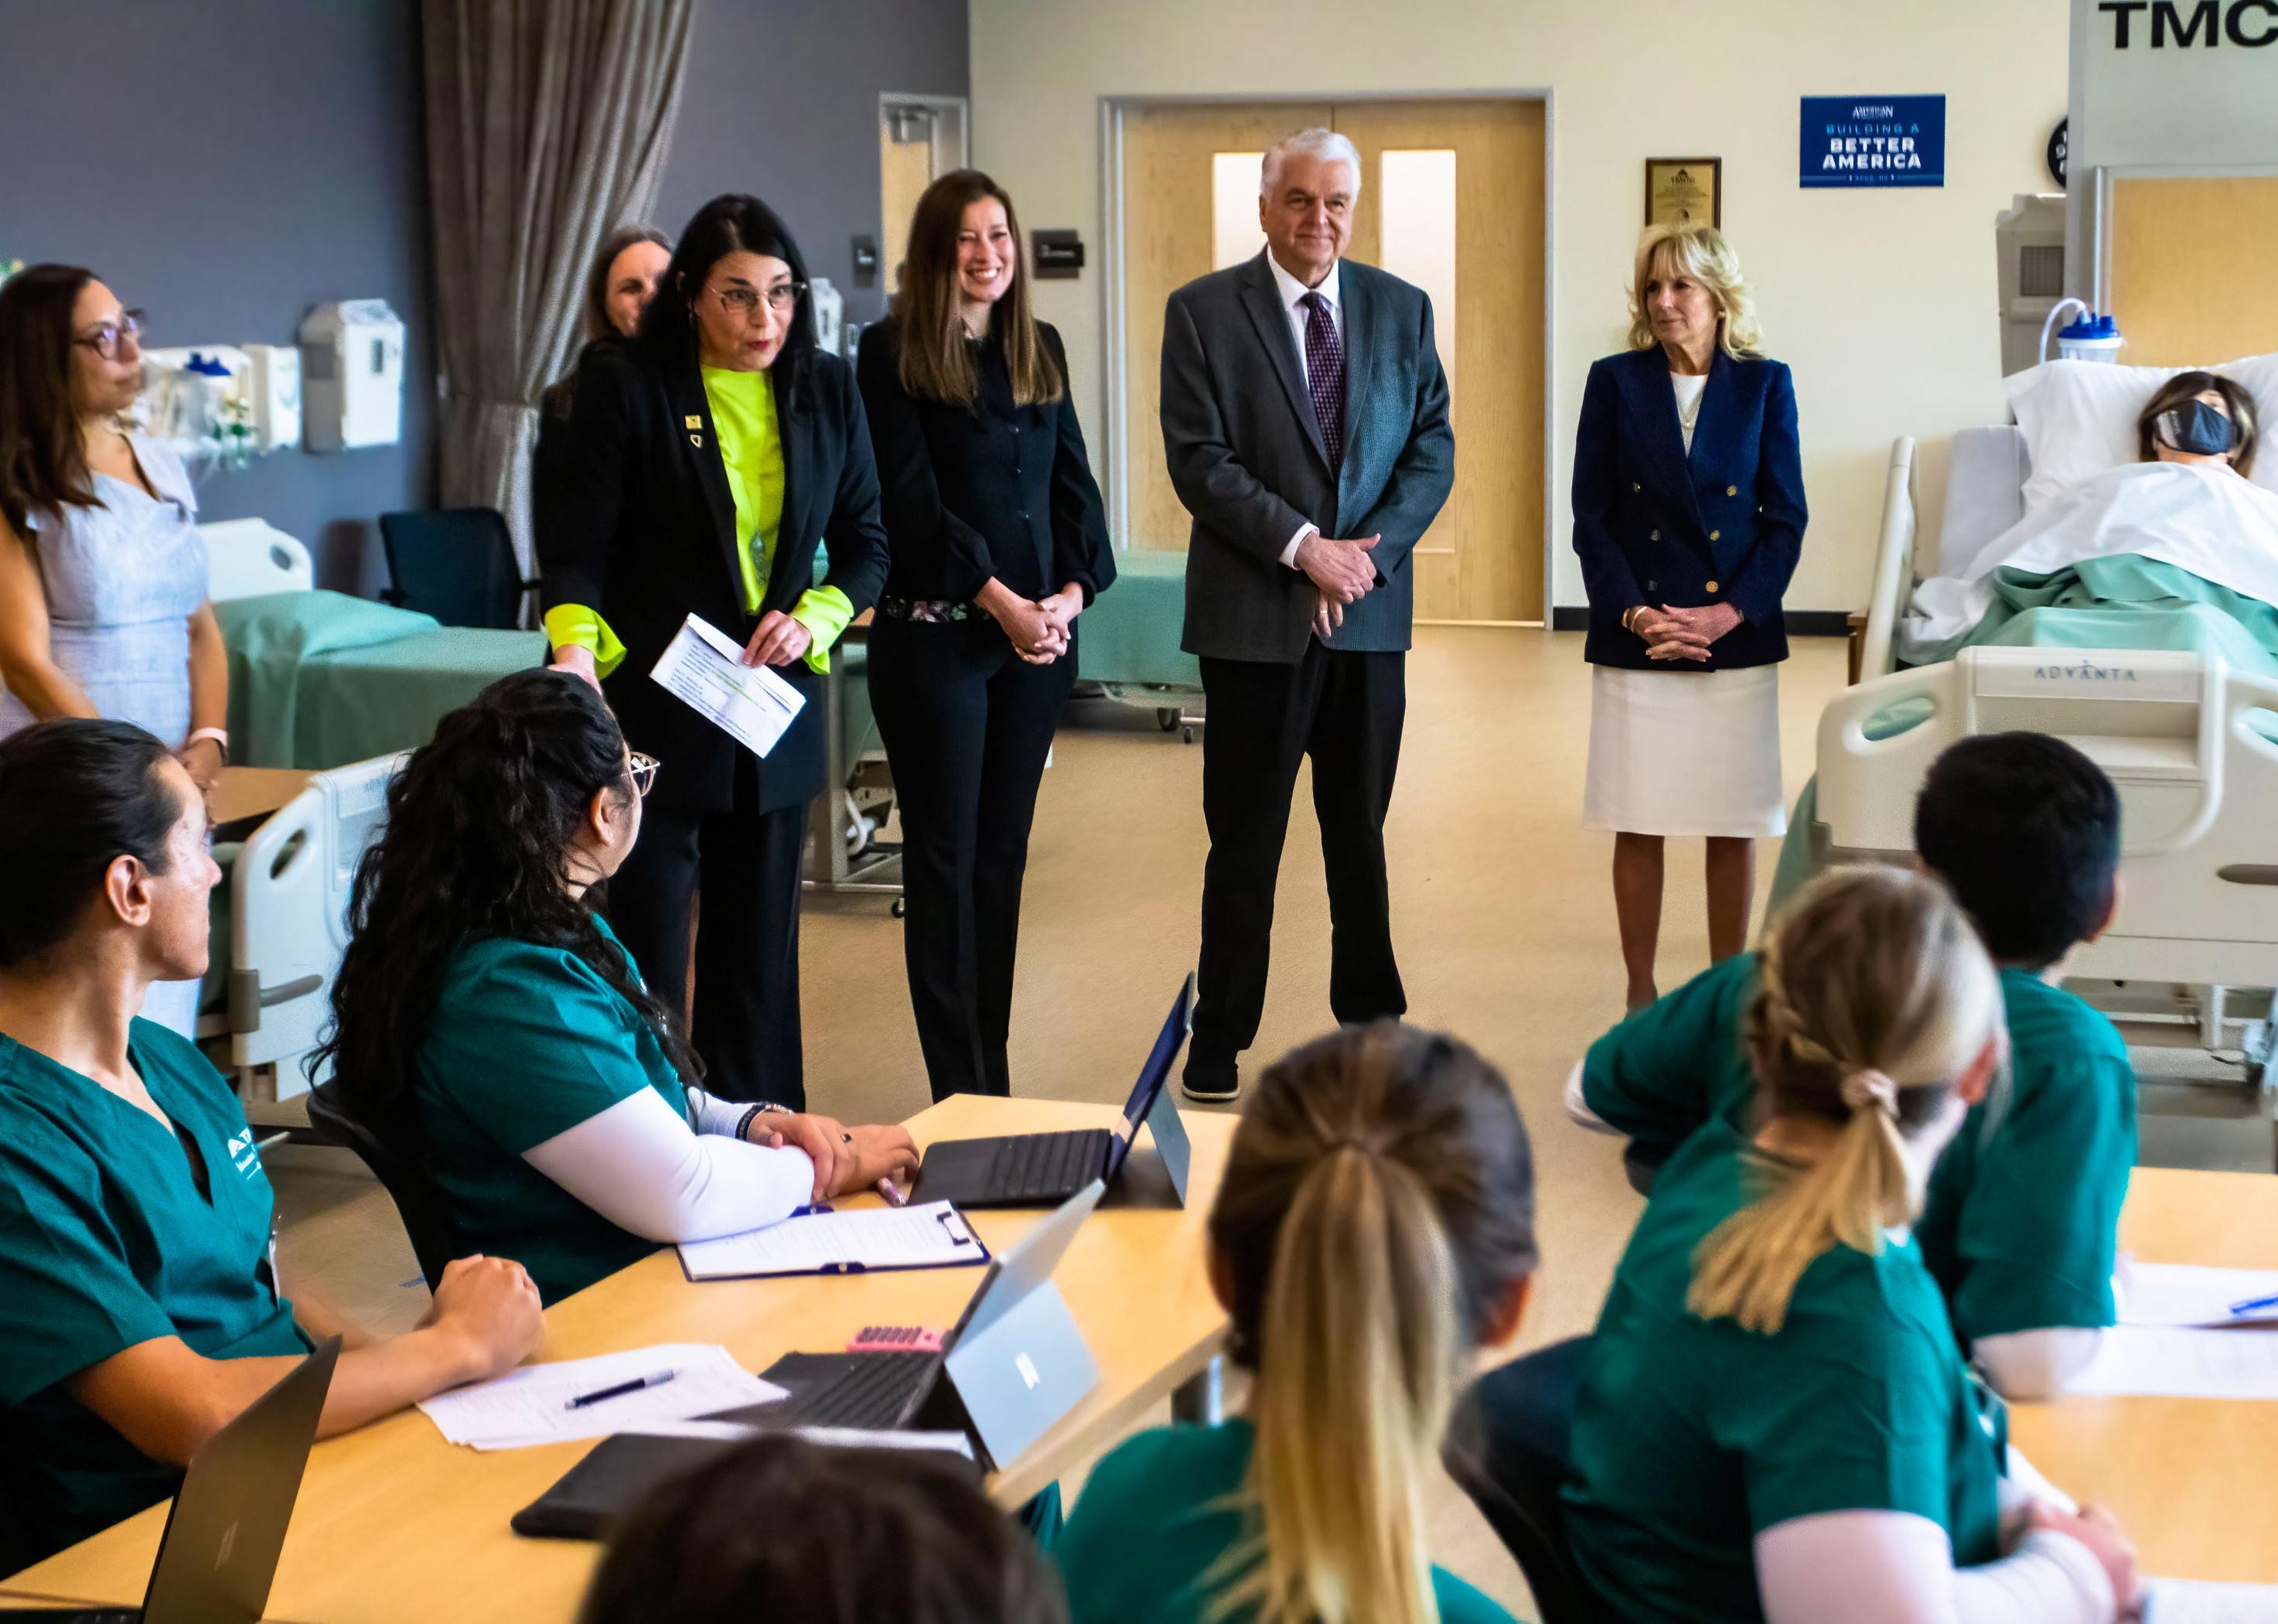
(2124, 601)
(318, 680)
(1130, 634)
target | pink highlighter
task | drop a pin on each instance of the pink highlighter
(896, 1339)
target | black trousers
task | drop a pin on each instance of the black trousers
(1344, 709)
(968, 725)
(747, 862)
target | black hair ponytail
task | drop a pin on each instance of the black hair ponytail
(74, 793)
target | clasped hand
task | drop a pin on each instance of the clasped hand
(1342, 573)
(1683, 633)
(846, 1160)
(1038, 628)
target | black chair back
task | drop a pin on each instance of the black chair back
(417, 1202)
(456, 565)
(1508, 1450)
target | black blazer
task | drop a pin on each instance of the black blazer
(993, 489)
(1654, 527)
(634, 521)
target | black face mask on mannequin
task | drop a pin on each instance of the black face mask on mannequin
(2198, 428)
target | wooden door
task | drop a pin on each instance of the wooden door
(1464, 179)
(1170, 170)
(1481, 561)
(2190, 268)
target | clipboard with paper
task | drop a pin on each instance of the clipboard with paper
(704, 669)
(820, 1241)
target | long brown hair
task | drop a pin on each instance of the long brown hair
(933, 360)
(1377, 1209)
(597, 280)
(2180, 391)
(1873, 996)
(42, 454)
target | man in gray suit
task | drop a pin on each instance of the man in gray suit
(1302, 401)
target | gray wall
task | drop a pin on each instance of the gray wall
(782, 101)
(226, 165)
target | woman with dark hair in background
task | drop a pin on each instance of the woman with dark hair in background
(102, 574)
(140, 1304)
(1000, 541)
(626, 268)
(704, 463)
(488, 1023)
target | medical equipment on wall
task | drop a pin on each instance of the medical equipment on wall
(2028, 244)
(351, 375)
(2091, 338)
(829, 314)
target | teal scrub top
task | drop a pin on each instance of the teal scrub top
(2020, 1226)
(1153, 1521)
(108, 1241)
(527, 1042)
(1692, 1437)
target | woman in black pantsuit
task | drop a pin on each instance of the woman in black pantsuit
(998, 542)
(704, 461)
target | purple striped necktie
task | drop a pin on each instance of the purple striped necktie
(1324, 377)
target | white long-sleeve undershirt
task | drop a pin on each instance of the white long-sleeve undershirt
(1894, 1568)
(642, 1167)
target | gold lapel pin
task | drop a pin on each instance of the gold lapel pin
(692, 423)
(697, 441)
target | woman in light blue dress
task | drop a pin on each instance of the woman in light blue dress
(102, 574)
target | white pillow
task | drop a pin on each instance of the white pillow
(2079, 418)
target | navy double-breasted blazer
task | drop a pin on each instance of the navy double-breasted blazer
(1656, 527)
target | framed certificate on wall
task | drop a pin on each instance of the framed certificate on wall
(1678, 189)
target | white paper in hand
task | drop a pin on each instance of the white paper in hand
(704, 669)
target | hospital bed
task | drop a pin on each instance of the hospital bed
(1127, 641)
(2184, 736)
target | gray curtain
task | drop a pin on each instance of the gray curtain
(547, 124)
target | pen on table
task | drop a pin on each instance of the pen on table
(621, 1390)
(2253, 1303)
(887, 1188)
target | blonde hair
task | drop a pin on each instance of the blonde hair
(1874, 996)
(1700, 252)
(1378, 1207)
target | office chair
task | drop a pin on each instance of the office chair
(418, 1203)
(1507, 1449)
(456, 565)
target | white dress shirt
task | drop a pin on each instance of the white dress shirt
(1293, 293)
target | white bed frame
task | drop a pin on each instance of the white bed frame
(2195, 939)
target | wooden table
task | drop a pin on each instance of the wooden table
(2195, 1481)
(395, 1525)
(242, 793)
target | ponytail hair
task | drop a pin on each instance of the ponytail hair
(1874, 996)
(480, 823)
(75, 794)
(1378, 1207)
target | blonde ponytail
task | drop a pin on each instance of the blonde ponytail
(1378, 1203)
(1873, 996)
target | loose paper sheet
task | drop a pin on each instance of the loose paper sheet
(706, 670)
(2179, 1294)
(2174, 1361)
(530, 1406)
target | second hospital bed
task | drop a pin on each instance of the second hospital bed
(2188, 733)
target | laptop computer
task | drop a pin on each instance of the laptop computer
(226, 1530)
(1039, 1169)
(1013, 1364)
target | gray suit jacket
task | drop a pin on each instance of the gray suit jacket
(1246, 456)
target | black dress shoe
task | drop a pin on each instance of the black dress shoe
(1212, 1085)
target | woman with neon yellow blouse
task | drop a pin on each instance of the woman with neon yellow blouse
(705, 462)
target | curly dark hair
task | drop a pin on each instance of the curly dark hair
(479, 825)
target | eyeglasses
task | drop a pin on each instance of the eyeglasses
(644, 772)
(106, 339)
(781, 298)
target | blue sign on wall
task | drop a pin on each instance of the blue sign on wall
(1874, 141)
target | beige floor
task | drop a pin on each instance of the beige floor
(1501, 907)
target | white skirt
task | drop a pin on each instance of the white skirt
(1685, 753)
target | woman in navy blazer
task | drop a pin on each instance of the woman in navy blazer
(1688, 516)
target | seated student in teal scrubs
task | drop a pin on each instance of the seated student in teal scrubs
(884, 1537)
(139, 1309)
(1373, 1230)
(2020, 1230)
(1775, 1422)
(488, 1022)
